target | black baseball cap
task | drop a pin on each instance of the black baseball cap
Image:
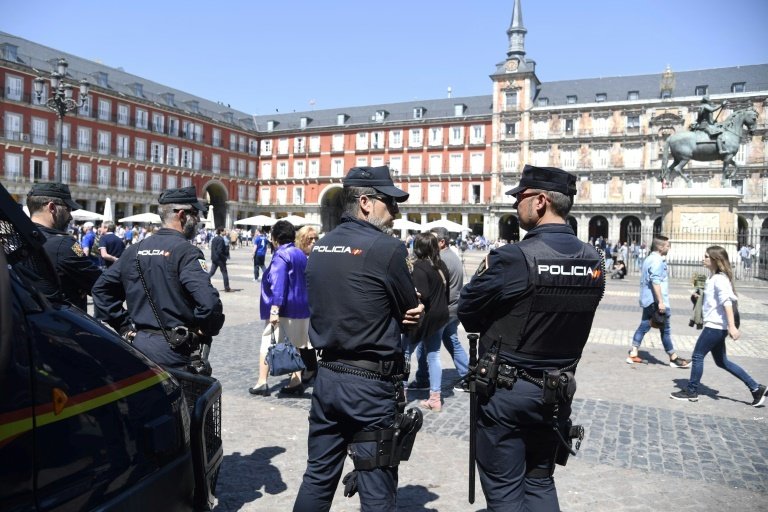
(57, 190)
(545, 178)
(186, 195)
(377, 178)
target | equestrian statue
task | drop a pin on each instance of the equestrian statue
(708, 140)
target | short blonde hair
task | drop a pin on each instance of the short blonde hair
(303, 236)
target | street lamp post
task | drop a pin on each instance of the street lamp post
(61, 102)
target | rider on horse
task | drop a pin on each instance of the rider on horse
(705, 123)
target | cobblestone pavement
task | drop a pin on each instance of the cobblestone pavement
(642, 451)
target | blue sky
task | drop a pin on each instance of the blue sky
(297, 55)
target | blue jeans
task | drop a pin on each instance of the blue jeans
(452, 345)
(645, 326)
(713, 340)
(432, 345)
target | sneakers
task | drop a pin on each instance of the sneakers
(634, 358)
(758, 397)
(418, 386)
(462, 385)
(684, 395)
(679, 362)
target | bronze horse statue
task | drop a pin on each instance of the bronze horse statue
(697, 145)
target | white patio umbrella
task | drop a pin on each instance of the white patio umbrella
(451, 226)
(209, 221)
(142, 218)
(258, 220)
(295, 220)
(406, 224)
(108, 216)
(83, 215)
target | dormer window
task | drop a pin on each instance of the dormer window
(271, 125)
(229, 117)
(304, 122)
(169, 99)
(10, 52)
(701, 90)
(666, 94)
(138, 89)
(380, 115)
(633, 95)
(341, 119)
(601, 97)
(418, 112)
(542, 102)
(570, 100)
(739, 87)
(194, 106)
(458, 109)
(102, 79)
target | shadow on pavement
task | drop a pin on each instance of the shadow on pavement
(242, 476)
(414, 498)
(705, 390)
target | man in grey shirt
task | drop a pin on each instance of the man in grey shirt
(450, 333)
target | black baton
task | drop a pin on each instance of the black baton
(472, 414)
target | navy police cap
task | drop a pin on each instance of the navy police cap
(545, 178)
(185, 195)
(57, 190)
(377, 178)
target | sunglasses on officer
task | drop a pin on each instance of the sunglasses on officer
(387, 200)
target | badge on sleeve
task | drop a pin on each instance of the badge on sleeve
(77, 249)
(203, 265)
(482, 267)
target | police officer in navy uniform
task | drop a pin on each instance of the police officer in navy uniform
(50, 207)
(361, 299)
(532, 303)
(174, 276)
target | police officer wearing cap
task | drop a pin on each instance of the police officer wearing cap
(532, 303)
(50, 207)
(172, 305)
(361, 299)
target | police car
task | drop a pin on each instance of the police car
(86, 421)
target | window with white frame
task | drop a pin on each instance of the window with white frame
(633, 95)
(456, 163)
(266, 147)
(282, 146)
(251, 194)
(633, 122)
(123, 114)
(251, 169)
(477, 134)
(377, 140)
(12, 167)
(253, 147)
(737, 87)
(105, 142)
(241, 146)
(337, 167)
(418, 113)
(282, 170)
(186, 181)
(173, 155)
(232, 166)
(83, 174)
(476, 163)
(198, 130)
(415, 138)
(701, 90)
(477, 193)
(570, 126)
(232, 142)
(601, 97)
(122, 179)
(361, 140)
(314, 144)
(39, 131)
(170, 181)
(299, 145)
(123, 146)
(141, 149)
(510, 98)
(105, 109)
(142, 119)
(509, 161)
(266, 170)
(435, 164)
(298, 195)
(361, 161)
(457, 135)
(600, 126)
(65, 138)
(314, 168)
(436, 136)
(510, 129)
(414, 164)
(396, 139)
(14, 87)
(459, 109)
(216, 141)
(600, 157)
(434, 193)
(241, 192)
(157, 182)
(66, 172)
(454, 193)
(633, 156)
(540, 129)
(540, 157)
(264, 195)
(173, 127)
(157, 151)
(414, 193)
(377, 161)
(571, 99)
(158, 122)
(282, 195)
(337, 142)
(43, 99)
(197, 159)
(569, 157)
(216, 163)
(140, 181)
(241, 168)
(396, 164)
(83, 138)
(85, 109)
(12, 126)
(742, 155)
(341, 119)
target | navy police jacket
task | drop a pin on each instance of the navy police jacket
(176, 276)
(359, 289)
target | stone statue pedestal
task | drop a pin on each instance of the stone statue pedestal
(695, 219)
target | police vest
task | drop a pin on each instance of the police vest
(553, 317)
